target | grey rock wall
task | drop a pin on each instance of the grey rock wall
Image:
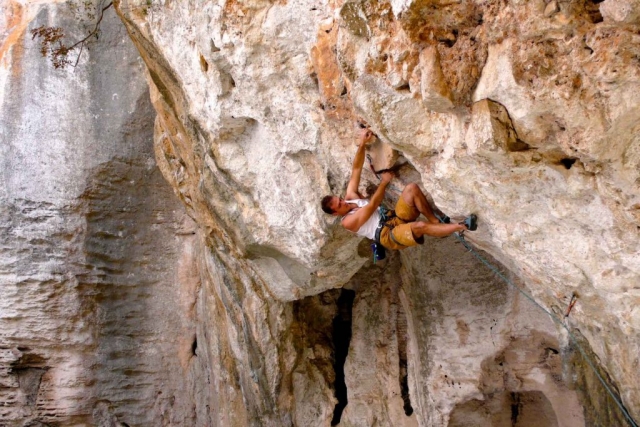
(96, 285)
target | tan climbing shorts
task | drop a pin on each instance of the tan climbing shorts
(400, 226)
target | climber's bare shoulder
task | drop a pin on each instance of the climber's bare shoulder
(355, 220)
(350, 221)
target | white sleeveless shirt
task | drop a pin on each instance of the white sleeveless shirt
(368, 229)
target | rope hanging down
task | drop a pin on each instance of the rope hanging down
(555, 319)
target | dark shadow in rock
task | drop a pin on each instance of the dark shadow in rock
(402, 336)
(341, 340)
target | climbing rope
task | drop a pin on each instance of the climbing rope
(475, 253)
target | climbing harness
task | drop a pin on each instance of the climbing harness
(475, 253)
(379, 251)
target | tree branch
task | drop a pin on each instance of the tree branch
(95, 29)
(54, 35)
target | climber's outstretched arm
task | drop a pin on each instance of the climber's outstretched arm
(356, 171)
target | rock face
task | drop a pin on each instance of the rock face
(524, 112)
(96, 268)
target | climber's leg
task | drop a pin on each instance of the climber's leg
(417, 203)
(420, 228)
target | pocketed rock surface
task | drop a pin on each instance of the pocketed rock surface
(114, 299)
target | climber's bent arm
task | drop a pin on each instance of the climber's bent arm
(354, 221)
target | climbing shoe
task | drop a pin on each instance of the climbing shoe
(471, 222)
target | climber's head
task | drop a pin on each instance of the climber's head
(334, 205)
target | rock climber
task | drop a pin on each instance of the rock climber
(396, 229)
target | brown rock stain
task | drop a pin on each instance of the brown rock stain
(462, 328)
(462, 65)
(333, 87)
(16, 25)
(240, 14)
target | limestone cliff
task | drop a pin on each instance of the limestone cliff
(524, 112)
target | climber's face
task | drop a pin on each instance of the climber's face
(339, 206)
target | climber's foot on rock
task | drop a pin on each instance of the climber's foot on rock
(471, 222)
